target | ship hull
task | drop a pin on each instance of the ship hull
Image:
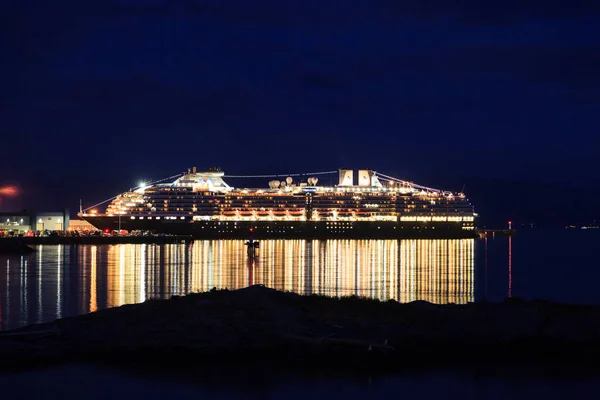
(285, 229)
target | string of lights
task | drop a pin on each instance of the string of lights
(114, 197)
(408, 183)
(281, 175)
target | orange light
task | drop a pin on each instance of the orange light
(9, 191)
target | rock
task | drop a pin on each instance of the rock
(263, 326)
(14, 246)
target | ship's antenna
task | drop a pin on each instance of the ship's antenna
(80, 207)
(463, 188)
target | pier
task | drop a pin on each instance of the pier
(96, 240)
(482, 233)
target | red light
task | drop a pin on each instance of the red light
(9, 191)
(106, 230)
(251, 229)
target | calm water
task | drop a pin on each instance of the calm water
(60, 281)
(91, 382)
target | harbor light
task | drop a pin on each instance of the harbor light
(9, 191)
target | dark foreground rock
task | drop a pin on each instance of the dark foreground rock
(257, 326)
(14, 246)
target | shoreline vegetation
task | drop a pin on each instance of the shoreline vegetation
(258, 327)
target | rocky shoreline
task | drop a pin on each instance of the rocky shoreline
(14, 246)
(261, 327)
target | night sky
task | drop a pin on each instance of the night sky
(96, 96)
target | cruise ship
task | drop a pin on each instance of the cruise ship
(366, 206)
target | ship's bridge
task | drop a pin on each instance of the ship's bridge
(202, 181)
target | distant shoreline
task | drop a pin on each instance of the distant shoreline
(97, 240)
(263, 327)
(5, 242)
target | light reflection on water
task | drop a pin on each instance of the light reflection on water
(60, 281)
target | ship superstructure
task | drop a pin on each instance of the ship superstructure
(202, 204)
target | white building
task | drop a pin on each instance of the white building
(14, 223)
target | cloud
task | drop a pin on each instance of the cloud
(143, 102)
(311, 11)
(493, 11)
(233, 11)
(574, 66)
(321, 80)
(571, 66)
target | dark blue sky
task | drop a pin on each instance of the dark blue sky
(98, 95)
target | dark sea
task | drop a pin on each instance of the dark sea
(59, 281)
